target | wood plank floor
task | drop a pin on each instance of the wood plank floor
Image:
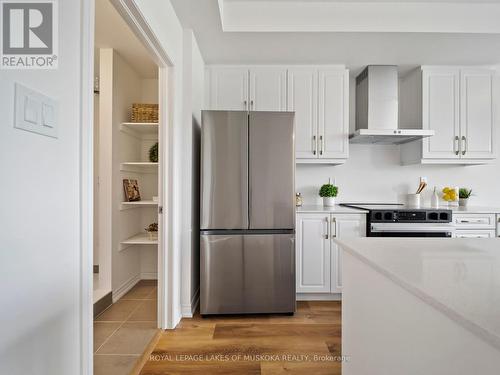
(306, 343)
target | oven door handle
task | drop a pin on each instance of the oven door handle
(396, 227)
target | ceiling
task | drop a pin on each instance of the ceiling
(355, 49)
(111, 31)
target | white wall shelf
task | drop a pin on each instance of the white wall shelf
(139, 166)
(140, 127)
(127, 205)
(137, 239)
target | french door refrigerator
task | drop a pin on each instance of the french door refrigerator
(247, 239)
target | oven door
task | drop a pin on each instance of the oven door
(411, 230)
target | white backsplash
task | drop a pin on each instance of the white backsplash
(373, 173)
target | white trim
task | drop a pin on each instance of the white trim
(166, 283)
(86, 201)
(319, 297)
(125, 287)
(188, 310)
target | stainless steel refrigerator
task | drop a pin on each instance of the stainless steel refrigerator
(247, 239)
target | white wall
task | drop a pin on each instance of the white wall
(39, 219)
(194, 71)
(374, 174)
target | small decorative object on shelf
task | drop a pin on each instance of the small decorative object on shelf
(299, 201)
(328, 192)
(153, 153)
(450, 195)
(144, 112)
(131, 188)
(464, 195)
(435, 199)
(152, 230)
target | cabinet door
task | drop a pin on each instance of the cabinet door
(440, 112)
(229, 88)
(313, 254)
(302, 99)
(333, 113)
(476, 119)
(267, 89)
(343, 226)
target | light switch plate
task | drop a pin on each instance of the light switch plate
(35, 112)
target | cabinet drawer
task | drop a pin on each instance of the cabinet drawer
(476, 221)
(475, 234)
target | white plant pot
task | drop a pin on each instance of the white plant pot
(153, 236)
(328, 201)
(462, 202)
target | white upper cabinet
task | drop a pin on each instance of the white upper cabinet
(476, 114)
(261, 88)
(319, 96)
(440, 111)
(268, 88)
(455, 102)
(333, 113)
(229, 88)
(320, 99)
(303, 100)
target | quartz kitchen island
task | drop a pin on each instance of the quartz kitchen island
(421, 306)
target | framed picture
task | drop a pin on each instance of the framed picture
(131, 188)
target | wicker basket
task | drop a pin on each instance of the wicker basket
(144, 112)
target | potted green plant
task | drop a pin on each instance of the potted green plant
(328, 192)
(152, 230)
(463, 196)
(153, 153)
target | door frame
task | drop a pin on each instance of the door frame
(167, 284)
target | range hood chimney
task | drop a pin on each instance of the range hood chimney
(377, 109)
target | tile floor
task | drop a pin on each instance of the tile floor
(124, 330)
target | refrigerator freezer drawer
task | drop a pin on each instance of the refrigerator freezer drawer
(247, 274)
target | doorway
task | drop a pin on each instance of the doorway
(130, 263)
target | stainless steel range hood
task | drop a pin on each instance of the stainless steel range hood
(377, 109)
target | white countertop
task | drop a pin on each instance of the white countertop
(459, 277)
(475, 210)
(333, 210)
(347, 210)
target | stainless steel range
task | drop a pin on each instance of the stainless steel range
(395, 220)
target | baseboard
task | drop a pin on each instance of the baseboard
(188, 311)
(103, 304)
(319, 297)
(125, 287)
(149, 275)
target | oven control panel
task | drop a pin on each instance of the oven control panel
(411, 216)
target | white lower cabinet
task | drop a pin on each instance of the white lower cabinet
(473, 225)
(313, 253)
(319, 259)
